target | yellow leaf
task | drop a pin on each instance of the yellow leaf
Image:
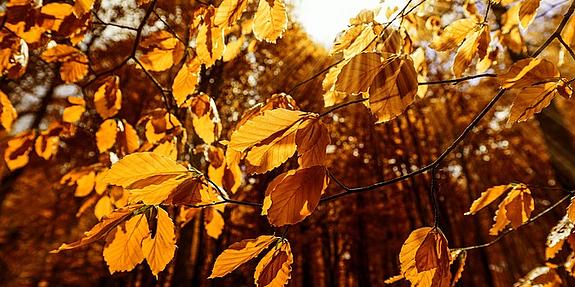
(527, 11)
(106, 135)
(516, 209)
(276, 101)
(108, 97)
(103, 207)
(17, 152)
(153, 179)
(527, 72)
(81, 7)
(101, 229)
(357, 75)
(571, 210)
(223, 173)
(47, 143)
(274, 270)
(240, 253)
(74, 112)
(74, 63)
(186, 80)
(270, 20)
(210, 41)
(7, 112)
(544, 276)
(393, 89)
(454, 34)
(294, 195)
(159, 124)
(487, 197)
(214, 222)
(466, 52)
(312, 139)
(531, 100)
(233, 49)
(205, 118)
(160, 248)
(123, 249)
(425, 258)
(229, 12)
(160, 51)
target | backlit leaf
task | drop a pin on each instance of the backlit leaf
(229, 12)
(108, 97)
(160, 248)
(274, 269)
(294, 195)
(123, 250)
(17, 152)
(240, 253)
(7, 112)
(270, 20)
(186, 80)
(487, 197)
(527, 11)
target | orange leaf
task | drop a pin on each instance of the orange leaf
(294, 195)
(240, 253)
(487, 197)
(7, 112)
(123, 249)
(160, 248)
(108, 97)
(274, 270)
(17, 152)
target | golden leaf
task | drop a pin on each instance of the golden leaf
(294, 195)
(74, 112)
(7, 112)
(531, 100)
(210, 40)
(527, 11)
(274, 270)
(516, 209)
(186, 80)
(106, 135)
(276, 101)
(205, 118)
(560, 233)
(123, 249)
(487, 197)
(103, 207)
(74, 63)
(357, 75)
(214, 222)
(270, 20)
(82, 7)
(47, 143)
(454, 34)
(222, 172)
(160, 248)
(425, 258)
(159, 124)
(101, 229)
(233, 49)
(393, 89)
(229, 12)
(240, 253)
(153, 179)
(16, 154)
(108, 97)
(527, 72)
(160, 51)
(476, 42)
(312, 139)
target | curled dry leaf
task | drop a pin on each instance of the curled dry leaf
(240, 253)
(294, 195)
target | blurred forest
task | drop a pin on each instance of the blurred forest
(50, 193)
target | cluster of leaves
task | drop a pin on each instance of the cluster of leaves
(143, 172)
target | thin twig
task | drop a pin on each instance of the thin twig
(458, 80)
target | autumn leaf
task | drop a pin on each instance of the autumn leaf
(205, 118)
(101, 229)
(7, 112)
(294, 195)
(74, 63)
(73, 113)
(222, 172)
(538, 82)
(186, 80)
(274, 269)
(268, 139)
(270, 20)
(516, 209)
(213, 222)
(312, 139)
(527, 11)
(16, 154)
(47, 142)
(160, 50)
(476, 42)
(210, 40)
(454, 34)
(229, 12)
(123, 250)
(556, 238)
(159, 125)
(276, 101)
(425, 258)
(240, 253)
(487, 197)
(159, 248)
(103, 207)
(108, 97)
(153, 179)
(119, 133)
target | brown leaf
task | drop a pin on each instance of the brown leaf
(274, 270)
